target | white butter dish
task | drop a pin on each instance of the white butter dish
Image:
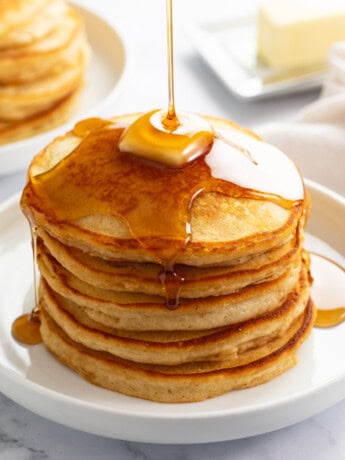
(229, 47)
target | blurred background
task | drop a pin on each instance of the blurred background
(197, 87)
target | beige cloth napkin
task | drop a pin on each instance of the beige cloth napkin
(316, 141)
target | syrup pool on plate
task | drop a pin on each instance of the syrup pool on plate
(26, 328)
(328, 290)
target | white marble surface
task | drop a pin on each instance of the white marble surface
(25, 436)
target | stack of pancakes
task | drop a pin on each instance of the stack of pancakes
(244, 304)
(43, 53)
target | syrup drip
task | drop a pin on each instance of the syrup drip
(170, 277)
(334, 316)
(26, 328)
(171, 281)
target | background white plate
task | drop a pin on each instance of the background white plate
(104, 81)
(34, 379)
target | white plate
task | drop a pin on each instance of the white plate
(34, 379)
(229, 47)
(104, 80)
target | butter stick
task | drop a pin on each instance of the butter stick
(293, 33)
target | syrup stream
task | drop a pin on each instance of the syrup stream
(170, 122)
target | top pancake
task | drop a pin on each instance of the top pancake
(57, 50)
(15, 12)
(224, 228)
(24, 21)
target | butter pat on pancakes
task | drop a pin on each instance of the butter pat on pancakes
(298, 33)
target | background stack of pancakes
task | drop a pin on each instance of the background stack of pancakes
(244, 306)
(43, 53)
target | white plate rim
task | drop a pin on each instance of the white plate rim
(169, 418)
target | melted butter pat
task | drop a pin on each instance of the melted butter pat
(151, 137)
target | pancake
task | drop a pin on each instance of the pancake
(36, 124)
(228, 343)
(18, 102)
(225, 228)
(43, 57)
(140, 312)
(24, 22)
(149, 383)
(198, 282)
(116, 244)
(57, 50)
(13, 13)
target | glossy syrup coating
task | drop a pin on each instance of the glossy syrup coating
(152, 199)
